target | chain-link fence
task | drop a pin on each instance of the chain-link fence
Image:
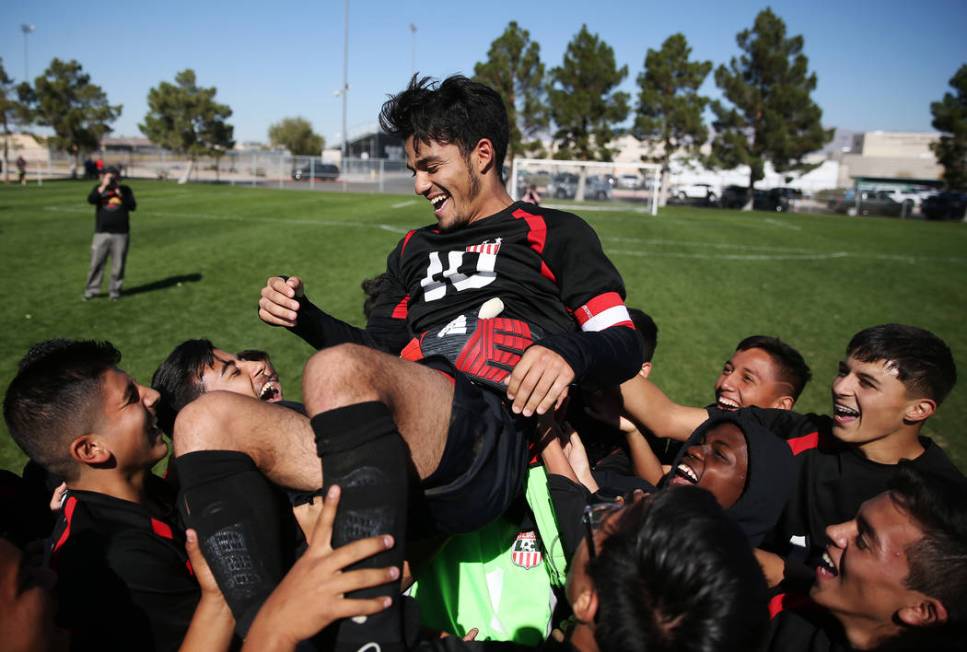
(266, 169)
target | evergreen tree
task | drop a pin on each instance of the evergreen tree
(583, 100)
(514, 69)
(669, 106)
(772, 117)
(950, 118)
(10, 113)
(185, 118)
(64, 99)
(297, 136)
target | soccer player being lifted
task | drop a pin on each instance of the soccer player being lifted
(462, 413)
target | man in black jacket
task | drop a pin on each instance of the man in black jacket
(114, 204)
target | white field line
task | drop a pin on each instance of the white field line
(408, 202)
(720, 256)
(711, 245)
(226, 218)
(783, 225)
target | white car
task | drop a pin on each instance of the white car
(632, 181)
(696, 191)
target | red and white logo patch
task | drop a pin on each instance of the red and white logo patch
(526, 552)
(485, 248)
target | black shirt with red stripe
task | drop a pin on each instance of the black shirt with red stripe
(546, 266)
(834, 480)
(124, 580)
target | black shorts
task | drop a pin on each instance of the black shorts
(484, 462)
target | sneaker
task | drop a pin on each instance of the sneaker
(115, 297)
(88, 297)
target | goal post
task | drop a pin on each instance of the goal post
(591, 185)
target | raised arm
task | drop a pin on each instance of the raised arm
(648, 406)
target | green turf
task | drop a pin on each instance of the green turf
(708, 277)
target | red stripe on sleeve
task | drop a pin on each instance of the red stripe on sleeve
(406, 241)
(69, 507)
(804, 443)
(598, 305)
(402, 308)
(162, 529)
(537, 237)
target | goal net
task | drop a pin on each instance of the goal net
(592, 185)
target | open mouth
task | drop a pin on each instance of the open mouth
(439, 201)
(843, 414)
(826, 568)
(271, 392)
(727, 404)
(684, 475)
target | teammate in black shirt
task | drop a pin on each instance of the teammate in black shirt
(894, 577)
(893, 379)
(125, 581)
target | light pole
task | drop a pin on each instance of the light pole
(26, 28)
(413, 52)
(345, 83)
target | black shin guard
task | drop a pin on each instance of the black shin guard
(245, 526)
(363, 453)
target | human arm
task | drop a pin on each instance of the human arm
(283, 303)
(212, 624)
(312, 594)
(606, 406)
(647, 405)
(127, 198)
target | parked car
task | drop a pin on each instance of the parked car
(630, 181)
(321, 171)
(695, 191)
(734, 197)
(565, 186)
(870, 202)
(946, 206)
(777, 200)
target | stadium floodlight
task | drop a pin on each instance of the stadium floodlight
(596, 185)
(413, 51)
(26, 28)
(345, 80)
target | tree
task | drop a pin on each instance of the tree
(514, 69)
(584, 104)
(950, 118)
(297, 136)
(669, 106)
(10, 112)
(64, 99)
(185, 118)
(772, 117)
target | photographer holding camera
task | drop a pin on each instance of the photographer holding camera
(114, 203)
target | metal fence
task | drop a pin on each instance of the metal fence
(265, 169)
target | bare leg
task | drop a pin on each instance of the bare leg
(418, 397)
(278, 440)
(281, 441)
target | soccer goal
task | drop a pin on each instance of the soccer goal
(595, 185)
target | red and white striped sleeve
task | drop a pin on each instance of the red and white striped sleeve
(603, 311)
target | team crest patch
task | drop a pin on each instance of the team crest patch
(526, 552)
(485, 248)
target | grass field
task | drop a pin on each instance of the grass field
(200, 254)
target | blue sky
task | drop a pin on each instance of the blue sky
(879, 63)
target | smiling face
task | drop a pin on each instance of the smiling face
(751, 378)
(719, 464)
(127, 421)
(446, 178)
(246, 377)
(862, 577)
(870, 402)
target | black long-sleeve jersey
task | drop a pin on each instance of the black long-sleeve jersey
(546, 266)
